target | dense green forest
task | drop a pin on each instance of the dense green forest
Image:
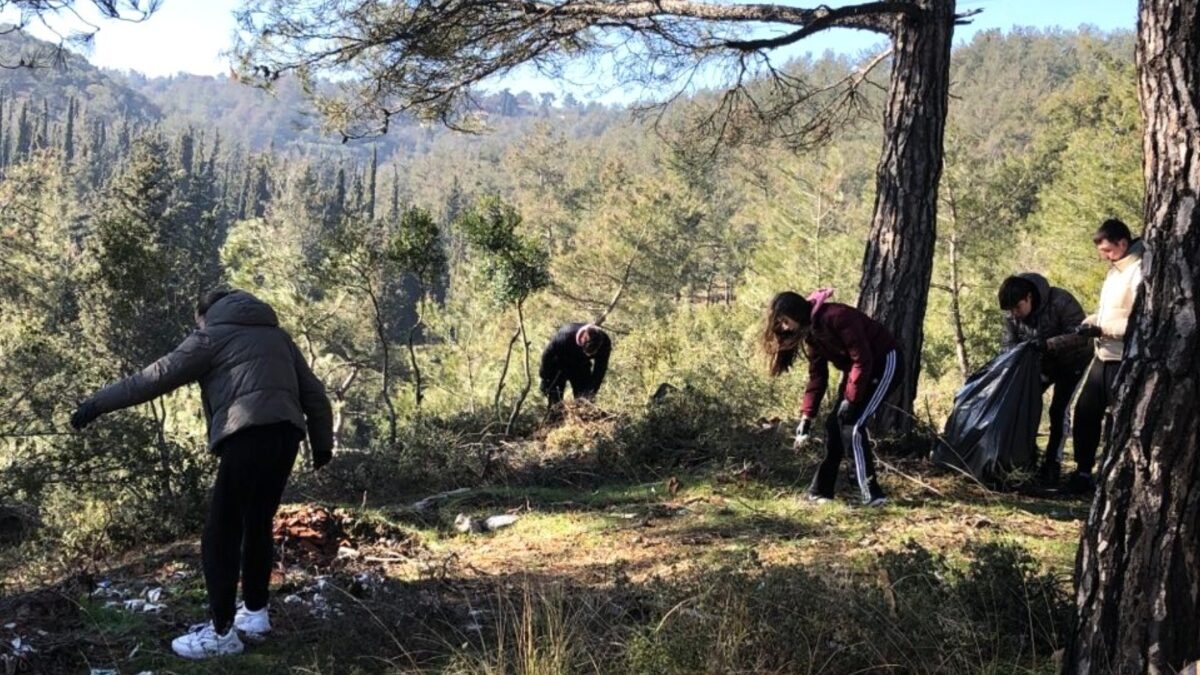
(422, 271)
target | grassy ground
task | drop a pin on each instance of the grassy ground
(717, 567)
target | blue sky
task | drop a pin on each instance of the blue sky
(189, 35)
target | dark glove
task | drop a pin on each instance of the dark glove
(83, 415)
(320, 459)
(1038, 344)
(1060, 342)
(847, 413)
(1087, 330)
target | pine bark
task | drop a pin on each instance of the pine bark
(898, 263)
(1138, 567)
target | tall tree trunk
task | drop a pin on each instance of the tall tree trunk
(898, 262)
(381, 333)
(956, 289)
(1138, 568)
(418, 392)
(504, 371)
(512, 418)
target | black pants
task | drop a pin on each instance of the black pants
(864, 461)
(554, 384)
(1092, 411)
(254, 468)
(1064, 384)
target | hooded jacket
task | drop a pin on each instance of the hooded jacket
(853, 342)
(250, 372)
(1055, 316)
(1116, 302)
(564, 355)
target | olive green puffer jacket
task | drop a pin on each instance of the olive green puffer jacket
(250, 372)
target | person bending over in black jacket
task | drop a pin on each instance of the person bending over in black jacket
(577, 354)
(1047, 316)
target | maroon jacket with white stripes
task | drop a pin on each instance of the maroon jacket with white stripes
(853, 342)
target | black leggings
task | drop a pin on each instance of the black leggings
(1064, 385)
(860, 442)
(254, 468)
(1092, 411)
(554, 383)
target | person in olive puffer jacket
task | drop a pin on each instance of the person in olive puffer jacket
(1048, 317)
(260, 399)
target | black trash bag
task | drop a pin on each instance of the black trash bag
(993, 428)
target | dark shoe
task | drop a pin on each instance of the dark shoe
(1079, 484)
(1049, 474)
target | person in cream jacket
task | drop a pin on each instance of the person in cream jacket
(1115, 244)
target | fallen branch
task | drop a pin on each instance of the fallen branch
(429, 501)
(917, 481)
(375, 558)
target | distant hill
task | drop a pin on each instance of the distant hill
(251, 118)
(283, 118)
(53, 85)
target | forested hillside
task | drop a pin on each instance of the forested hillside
(422, 272)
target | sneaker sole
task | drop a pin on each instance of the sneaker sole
(258, 636)
(202, 657)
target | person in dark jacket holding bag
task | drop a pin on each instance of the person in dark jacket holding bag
(577, 354)
(867, 354)
(1047, 316)
(260, 398)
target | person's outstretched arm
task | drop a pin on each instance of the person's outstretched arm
(818, 382)
(186, 364)
(549, 365)
(600, 365)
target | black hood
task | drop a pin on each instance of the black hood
(241, 308)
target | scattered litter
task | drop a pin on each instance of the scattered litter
(292, 599)
(465, 523)
(10, 626)
(104, 671)
(347, 553)
(365, 583)
(21, 647)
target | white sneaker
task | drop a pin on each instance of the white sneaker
(203, 642)
(253, 623)
(876, 502)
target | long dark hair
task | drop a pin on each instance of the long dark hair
(781, 346)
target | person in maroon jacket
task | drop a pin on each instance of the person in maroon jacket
(857, 345)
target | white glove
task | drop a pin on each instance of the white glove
(802, 433)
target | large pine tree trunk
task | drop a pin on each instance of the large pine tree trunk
(898, 262)
(1138, 568)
